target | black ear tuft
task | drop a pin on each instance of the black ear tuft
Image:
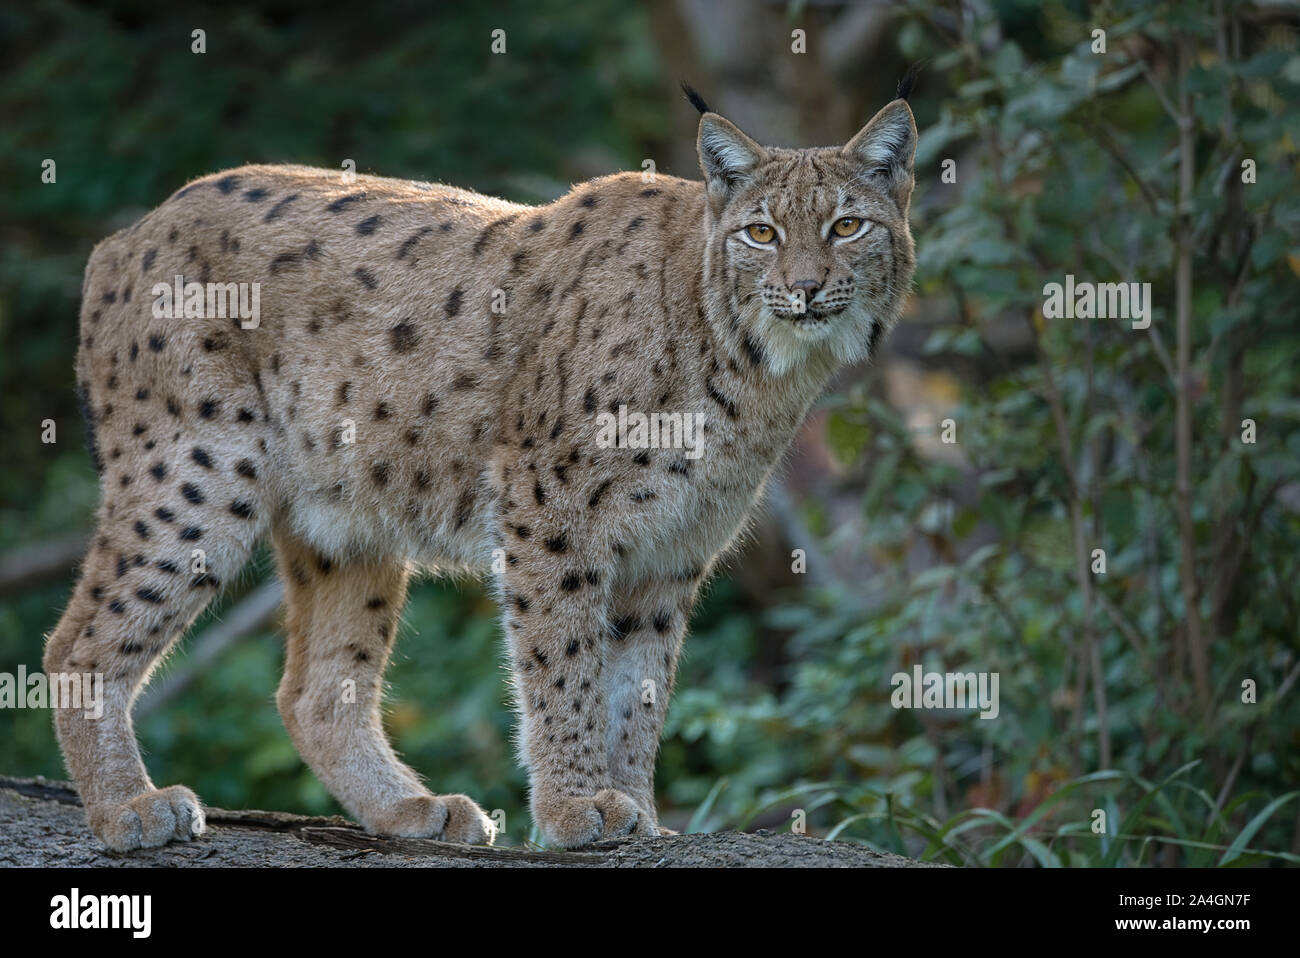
(697, 101)
(908, 81)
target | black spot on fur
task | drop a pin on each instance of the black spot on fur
(410, 242)
(622, 626)
(491, 228)
(287, 259)
(343, 202)
(368, 226)
(88, 419)
(404, 337)
(600, 491)
(464, 507)
(278, 208)
(872, 338)
(727, 405)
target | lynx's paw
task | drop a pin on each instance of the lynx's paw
(149, 820)
(447, 818)
(574, 821)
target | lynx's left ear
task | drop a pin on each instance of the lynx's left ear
(884, 147)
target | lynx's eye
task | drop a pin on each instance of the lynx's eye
(761, 233)
(847, 226)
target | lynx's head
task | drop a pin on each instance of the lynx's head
(809, 250)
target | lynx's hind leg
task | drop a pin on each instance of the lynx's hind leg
(166, 542)
(342, 621)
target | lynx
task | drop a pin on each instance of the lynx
(422, 387)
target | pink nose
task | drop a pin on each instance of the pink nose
(808, 287)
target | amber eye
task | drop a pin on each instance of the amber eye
(847, 226)
(761, 233)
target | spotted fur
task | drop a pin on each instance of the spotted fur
(384, 414)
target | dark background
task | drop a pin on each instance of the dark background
(1120, 692)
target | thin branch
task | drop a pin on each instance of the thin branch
(29, 565)
(1106, 140)
(1163, 97)
(1196, 646)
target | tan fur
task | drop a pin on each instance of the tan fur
(474, 431)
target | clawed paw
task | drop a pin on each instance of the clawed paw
(447, 818)
(575, 821)
(148, 820)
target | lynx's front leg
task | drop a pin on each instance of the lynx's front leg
(646, 639)
(556, 591)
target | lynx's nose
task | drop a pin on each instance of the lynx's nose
(808, 287)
